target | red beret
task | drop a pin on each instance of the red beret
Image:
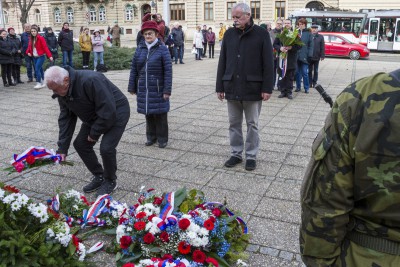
(9, 29)
(149, 25)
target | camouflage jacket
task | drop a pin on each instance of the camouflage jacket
(353, 179)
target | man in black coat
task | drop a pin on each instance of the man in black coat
(66, 42)
(244, 79)
(286, 68)
(318, 54)
(104, 111)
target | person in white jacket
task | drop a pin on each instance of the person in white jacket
(98, 48)
(198, 42)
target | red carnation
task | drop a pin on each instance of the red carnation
(209, 225)
(164, 237)
(212, 261)
(167, 257)
(184, 224)
(150, 218)
(157, 201)
(139, 225)
(212, 218)
(198, 256)
(184, 248)
(125, 241)
(11, 189)
(217, 212)
(30, 159)
(128, 265)
(148, 238)
(141, 215)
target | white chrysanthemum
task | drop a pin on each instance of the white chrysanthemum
(129, 229)
(191, 235)
(152, 228)
(203, 231)
(2, 193)
(81, 252)
(194, 227)
(146, 262)
(64, 239)
(120, 232)
(23, 199)
(15, 206)
(50, 232)
(10, 198)
(73, 194)
(186, 216)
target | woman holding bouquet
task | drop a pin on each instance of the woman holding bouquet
(288, 63)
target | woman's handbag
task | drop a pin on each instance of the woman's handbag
(194, 50)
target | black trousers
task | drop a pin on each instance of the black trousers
(204, 49)
(16, 72)
(211, 50)
(85, 58)
(6, 70)
(157, 127)
(286, 84)
(108, 151)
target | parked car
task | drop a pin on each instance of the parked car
(338, 46)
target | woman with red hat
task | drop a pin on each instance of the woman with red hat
(37, 48)
(151, 80)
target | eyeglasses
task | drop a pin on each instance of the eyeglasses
(148, 33)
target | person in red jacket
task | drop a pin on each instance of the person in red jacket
(37, 48)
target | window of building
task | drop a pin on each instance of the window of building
(255, 9)
(128, 12)
(209, 11)
(5, 17)
(38, 16)
(70, 15)
(57, 15)
(92, 14)
(229, 6)
(177, 11)
(280, 9)
(102, 14)
(128, 31)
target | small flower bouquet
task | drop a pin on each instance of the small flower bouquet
(34, 157)
(289, 38)
(181, 229)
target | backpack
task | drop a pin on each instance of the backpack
(101, 68)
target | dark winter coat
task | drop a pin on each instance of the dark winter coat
(245, 67)
(25, 37)
(52, 44)
(319, 47)
(66, 40)
(306, 51)
(178, 36)
(7, 51)
(204, 32)
(151, 78)
(95, 100)
(291, 54)
(17, 46)
(210, 37)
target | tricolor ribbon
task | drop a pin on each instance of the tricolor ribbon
(230, 213)
(95, 247)
(38, 153)
(163, 263)
(166, 218)
(283, 65)
(55, 203)
(90, 216)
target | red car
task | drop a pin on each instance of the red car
(336, 45)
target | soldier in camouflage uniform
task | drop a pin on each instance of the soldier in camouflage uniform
(351, 191)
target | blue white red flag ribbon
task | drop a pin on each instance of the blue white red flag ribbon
(230, 213)
(38, 153)
(282, 66)
(90, 216)
(165, 263)
(166, 218)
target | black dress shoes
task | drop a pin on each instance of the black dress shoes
(149, 143)
(162, 145)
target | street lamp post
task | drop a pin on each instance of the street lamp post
(2, 15)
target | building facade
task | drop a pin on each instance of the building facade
(99, 14)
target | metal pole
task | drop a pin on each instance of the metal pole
(2, 15)
(166, 12)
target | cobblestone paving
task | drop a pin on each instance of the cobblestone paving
(268, 198)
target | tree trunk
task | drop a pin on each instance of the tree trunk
(25, 6)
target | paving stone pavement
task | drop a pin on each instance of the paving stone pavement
(268, 198)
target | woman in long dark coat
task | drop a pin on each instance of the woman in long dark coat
(52, 44)
(16, 66)
(151, 80)
(6, 58)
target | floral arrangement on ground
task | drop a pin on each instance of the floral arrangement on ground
(162, 229)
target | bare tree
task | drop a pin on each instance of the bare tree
(25, 6)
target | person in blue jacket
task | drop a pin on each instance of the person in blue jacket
(151, 80)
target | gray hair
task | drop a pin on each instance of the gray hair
(55, 74)
(242, 6)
